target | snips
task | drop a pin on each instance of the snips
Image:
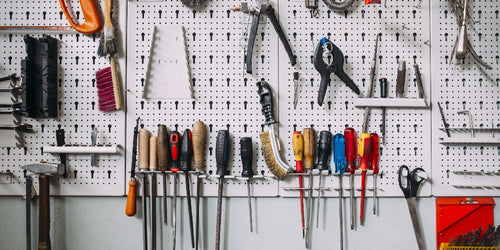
(326, 48)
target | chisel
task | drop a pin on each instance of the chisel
(339, 160)
(246, 151)
(309, 150)
(199, 141)
(130, 207)
(175, 147)
(222, 158)
(163, 148)
(187, 157)
(374, 156)
(153, 166)
(351, 152)
(143, 166)
(298, 151)
(324, 151)
(364, 151)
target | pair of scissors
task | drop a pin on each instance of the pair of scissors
(410, 188)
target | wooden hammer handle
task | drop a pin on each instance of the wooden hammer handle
(44, 214)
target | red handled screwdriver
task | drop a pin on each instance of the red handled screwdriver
(187, 157)
(364, 150)
(175, 148)
(374, 156)
(351, 153)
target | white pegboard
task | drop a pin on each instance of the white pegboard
(77, 97)
(464, 85)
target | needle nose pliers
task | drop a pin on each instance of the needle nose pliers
(336, 66)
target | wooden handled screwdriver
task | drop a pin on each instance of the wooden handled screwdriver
(143, 166)
(130, 208)
(298, 151)
(163, 154)
(153, 166)
(222, 158)
(199, 134)
(175, 147)
(187, 157)
(309, 151)
(364, 151)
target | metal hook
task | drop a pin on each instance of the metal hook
(471, 124)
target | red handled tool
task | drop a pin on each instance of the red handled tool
(374, 156)
(92, 22)
(364, 150)
(298, 151)
(175, 148)
(351, 154)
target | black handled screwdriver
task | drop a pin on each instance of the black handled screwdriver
(383, 94)
(175, 146)
(246, 151)
(222, 160)
(187, 157)
(324, 151)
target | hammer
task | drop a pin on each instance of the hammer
(44, 170)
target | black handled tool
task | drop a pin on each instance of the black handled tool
(324, 151)
(246, 151)
(60, 142)
(336, 66)
(222, 159)
(277, 27)
(383, 94)
(175, 147)
(187, 157)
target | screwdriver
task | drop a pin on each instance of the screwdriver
(298, 151)
(130, 208)
(324, 151)
(163, 148)
(374, 156)
(175, 145)
(364, 151)
(187, 157)
(152, 167)
(246, 150)
(383, 94)
(222, 159)
(351, 151)
(199, 141)
(339, 160)
(143, 166)
(309, 150)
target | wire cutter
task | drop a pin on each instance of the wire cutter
(410, 189)
(336, 66)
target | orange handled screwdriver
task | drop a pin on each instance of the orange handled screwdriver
(298, 151)
(351, 153)
(374, 156)
(309, 151)
(364, 150)
(130, 208)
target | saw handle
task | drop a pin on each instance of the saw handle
(130, 207)
(92, 22)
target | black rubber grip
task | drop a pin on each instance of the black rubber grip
(187, 151)
(222, 152)
(276, 24)
(251, 40)
(324, 150)
(246, 151)
(266, 100)
(383, 87)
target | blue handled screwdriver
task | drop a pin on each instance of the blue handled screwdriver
(338, 155)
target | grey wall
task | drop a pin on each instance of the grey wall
(100, 223)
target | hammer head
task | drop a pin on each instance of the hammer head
(45, 168)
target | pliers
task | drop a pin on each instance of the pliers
(336, 66)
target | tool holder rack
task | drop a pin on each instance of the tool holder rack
(225, 98)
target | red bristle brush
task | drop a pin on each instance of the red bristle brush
(108, 88)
